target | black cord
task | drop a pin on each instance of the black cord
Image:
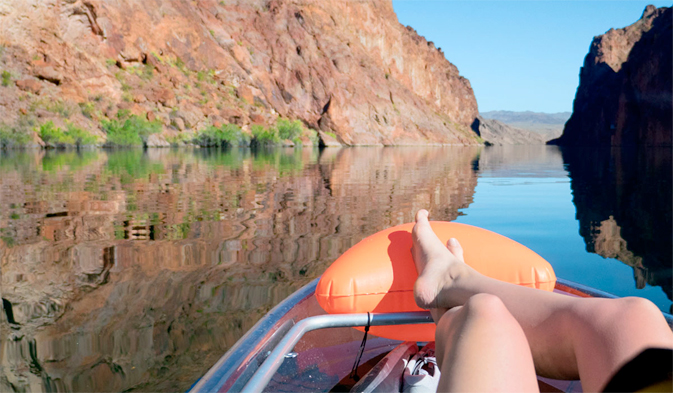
(354, 371)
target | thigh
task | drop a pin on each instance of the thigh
(480, 347)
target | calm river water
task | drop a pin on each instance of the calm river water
(132, 270)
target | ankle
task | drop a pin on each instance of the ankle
(454, 289)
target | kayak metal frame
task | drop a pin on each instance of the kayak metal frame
(263, 376)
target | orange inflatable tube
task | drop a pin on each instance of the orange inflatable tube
(378, 273)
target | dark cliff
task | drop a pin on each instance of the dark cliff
(624, 95)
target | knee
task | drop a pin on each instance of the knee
(631, 308)
(622, 311)
(639, 305)
(636, 308)
(486, 305)
(481, 307)
(482, 311)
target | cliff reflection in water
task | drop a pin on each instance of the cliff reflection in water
(623, 200)
(137, 270)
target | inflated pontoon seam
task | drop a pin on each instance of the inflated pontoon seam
(527, 284)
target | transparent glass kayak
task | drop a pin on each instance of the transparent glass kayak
(297, 347)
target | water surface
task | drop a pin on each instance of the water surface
(132, 270)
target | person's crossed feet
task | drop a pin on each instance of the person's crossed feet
(440, 268)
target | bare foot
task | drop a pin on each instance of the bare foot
(438, 266)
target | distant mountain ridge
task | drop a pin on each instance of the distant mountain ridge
(549, 125)
(528, 117)
(497, 133)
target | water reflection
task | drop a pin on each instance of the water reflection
(137, 270)
(133, 270)
(623, 200)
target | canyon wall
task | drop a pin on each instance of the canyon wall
(624, 95)
(347, 68)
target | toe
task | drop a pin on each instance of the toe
(424, 238)
(456, 249)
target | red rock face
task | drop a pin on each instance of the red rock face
(624, 96)
(348, 68)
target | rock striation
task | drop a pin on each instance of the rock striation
(624, 95)
(348, 68)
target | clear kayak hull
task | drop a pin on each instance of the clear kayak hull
(292, 350)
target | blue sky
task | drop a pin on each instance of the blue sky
(518, 55)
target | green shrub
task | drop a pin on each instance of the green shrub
(88, 109)
(207, 137)
(123, 114)
(71, 136)
(129, 130)
(121, 77)
(158, 57)
(54, 135)
(57, 106)
(80, 136)
(226, 135)
(180, 65)
(284, 129)
(148, 72)
(178, 139)
(6, 78)
(11, 137)
(291, 130)
(207, 76)
(263, 136)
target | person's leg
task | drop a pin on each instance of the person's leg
(481, 348)
(569, 337)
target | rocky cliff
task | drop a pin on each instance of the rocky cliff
(348, 68)
(624, 95)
